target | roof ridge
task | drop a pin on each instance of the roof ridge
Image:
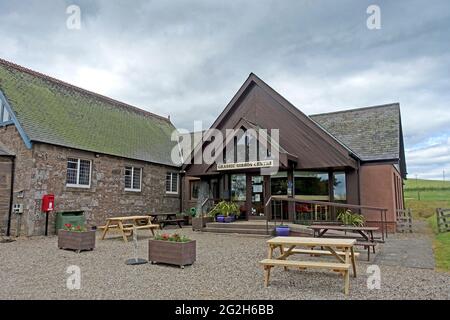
(358, 109)
(81, 90)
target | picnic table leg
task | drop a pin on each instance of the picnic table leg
(121, 230)
(364, 235)
(266, 275)
(346, 282)
(347, 275)
(353, 261)
(106, 229)
(269, 256)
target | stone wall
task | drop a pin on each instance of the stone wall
(43, 171)
(11, 140)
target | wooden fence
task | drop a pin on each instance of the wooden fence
(443, 219)
(404, 220)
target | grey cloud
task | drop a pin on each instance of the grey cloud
(188, 58)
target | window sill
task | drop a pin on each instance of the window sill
(171, 195)
(132, 190)
(77, 186)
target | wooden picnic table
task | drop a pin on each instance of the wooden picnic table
(127, 229)
(164, 219)
(341, 249)
(365, 232)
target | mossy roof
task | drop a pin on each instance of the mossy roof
(54, 112)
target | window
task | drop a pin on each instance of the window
(78, 173)
(195, 187)
(238, 187)
(133, 177)
(172, 182)
(278, 184)
(4, 114)
(314, 185)
(340, 189)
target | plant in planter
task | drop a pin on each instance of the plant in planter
(282, 230)
(76, 238)
(199, 221)
(225, 211)
(172, 249)
(349, 218)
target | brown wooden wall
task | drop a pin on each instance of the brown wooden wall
(5, 191)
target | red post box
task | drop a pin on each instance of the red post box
(48, 203)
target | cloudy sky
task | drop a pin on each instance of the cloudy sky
(187, 59)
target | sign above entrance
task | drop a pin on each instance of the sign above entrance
(245, 165)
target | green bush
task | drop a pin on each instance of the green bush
(225, 208)
(351, 219)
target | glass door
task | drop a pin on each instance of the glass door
(257, 208)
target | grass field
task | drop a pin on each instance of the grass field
(423, 197)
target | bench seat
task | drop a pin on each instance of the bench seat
(339, 267)
(147, 226)
(321, 252)
(306, 264)
(114, 226)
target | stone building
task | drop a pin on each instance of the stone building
(93, 153)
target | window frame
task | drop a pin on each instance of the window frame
(172, 173)
(77, 184)
(191, 189)
(133, 168)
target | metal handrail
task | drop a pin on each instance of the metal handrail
(201, 213)
(383, 211)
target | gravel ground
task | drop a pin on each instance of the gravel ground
(226, 268)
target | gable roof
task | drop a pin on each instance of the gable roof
(54, 112)
(301, 137)
(373, 133)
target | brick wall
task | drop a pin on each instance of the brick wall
(43, 170)
(377, 190)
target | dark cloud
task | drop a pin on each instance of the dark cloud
(188, 58)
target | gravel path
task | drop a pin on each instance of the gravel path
(226, 268)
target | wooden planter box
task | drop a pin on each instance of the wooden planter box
(197, 222)
(176, 253)
(76, 240)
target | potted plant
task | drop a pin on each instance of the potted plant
(173, 249)
(199, 222)
(282, 230)
(349, 218)
(225, 211)
(76, 238)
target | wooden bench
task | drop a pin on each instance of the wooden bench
(368, 245)
(114, 226)
(342, 268)
(147, 226)
(321, 252)
(163, 223)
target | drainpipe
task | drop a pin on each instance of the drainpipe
(359, 182)
(11, 195)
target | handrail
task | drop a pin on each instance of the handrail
(333, 204)
(201, 213)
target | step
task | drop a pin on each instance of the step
(238, 230)
(234, 225)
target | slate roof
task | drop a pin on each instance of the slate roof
(54, 112)
(372, 133)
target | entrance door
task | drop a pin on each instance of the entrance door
(257, 200)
